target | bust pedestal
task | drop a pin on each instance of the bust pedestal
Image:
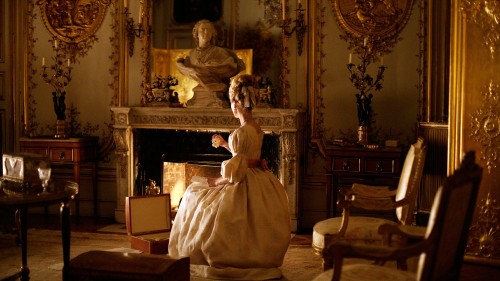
(205, 98)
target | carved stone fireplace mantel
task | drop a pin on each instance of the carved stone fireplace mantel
(287, 124)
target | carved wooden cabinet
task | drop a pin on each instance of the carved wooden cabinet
(71, 152)
(348, 165)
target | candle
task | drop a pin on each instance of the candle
(381, 61)
(125, 3)
(298, 2)
(43, 61)
(350, 58)
(55, 44)
(68, 62)
(283, 9)
(140, 15)
(364, 42)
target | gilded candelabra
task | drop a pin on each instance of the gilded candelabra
(299, 28)
(365, 83)
(58, 80)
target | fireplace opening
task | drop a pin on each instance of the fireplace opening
(154, 148)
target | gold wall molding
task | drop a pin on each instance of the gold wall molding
(315, 64)
(485, 126)
(30, 124)
(73, 23)
(484, 233)
(486, 14)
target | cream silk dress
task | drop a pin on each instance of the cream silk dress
(236, 231)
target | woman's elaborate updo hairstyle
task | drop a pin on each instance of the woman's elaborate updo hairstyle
(244, 89)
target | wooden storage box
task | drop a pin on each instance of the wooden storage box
(149, 221)
(23, 167)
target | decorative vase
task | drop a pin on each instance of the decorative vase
(363, 134)
(364, 116)
(61, 129)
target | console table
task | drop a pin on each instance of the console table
(75, 152)
(348, 165)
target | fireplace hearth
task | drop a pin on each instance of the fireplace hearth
(153, 147)
(145, 137)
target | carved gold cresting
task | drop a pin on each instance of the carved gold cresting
(485, 125)
(485, 232)
(73, 23)
(486, 14)
(376, 24)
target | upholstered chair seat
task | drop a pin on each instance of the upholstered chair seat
(361, 230)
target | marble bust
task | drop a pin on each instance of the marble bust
(210, 65)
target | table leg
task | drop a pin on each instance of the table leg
(66, 233)
(76, 176)
(25, 271)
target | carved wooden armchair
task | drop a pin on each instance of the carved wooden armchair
(442, 248)
(364, 229)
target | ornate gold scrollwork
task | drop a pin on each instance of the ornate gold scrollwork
(377, 23)
(485, 232)
(486, 14)
(74, 23)
(485, 126)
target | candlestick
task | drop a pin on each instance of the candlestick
(124, 3)
(43, 61)
(55, 44)
(140, 15)
(68, 62)
(364, 42)
(381, 61)
(283, 9)
(350, 58)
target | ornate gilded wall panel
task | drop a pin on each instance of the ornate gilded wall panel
(475, 115)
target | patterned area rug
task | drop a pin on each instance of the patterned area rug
(45, 254)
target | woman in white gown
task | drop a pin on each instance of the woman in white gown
(235, 227)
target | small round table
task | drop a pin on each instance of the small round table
(18, 196)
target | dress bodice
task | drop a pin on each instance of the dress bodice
(246, 141)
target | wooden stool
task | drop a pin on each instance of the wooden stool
(114, 266)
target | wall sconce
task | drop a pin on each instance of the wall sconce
(132, 30)
(299, 28)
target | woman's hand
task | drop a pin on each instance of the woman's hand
(216, 181)
(218, 140)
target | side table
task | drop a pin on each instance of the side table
(75, 152)
(15, 196)
(348, 165)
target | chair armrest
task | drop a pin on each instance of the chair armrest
(336, 251)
